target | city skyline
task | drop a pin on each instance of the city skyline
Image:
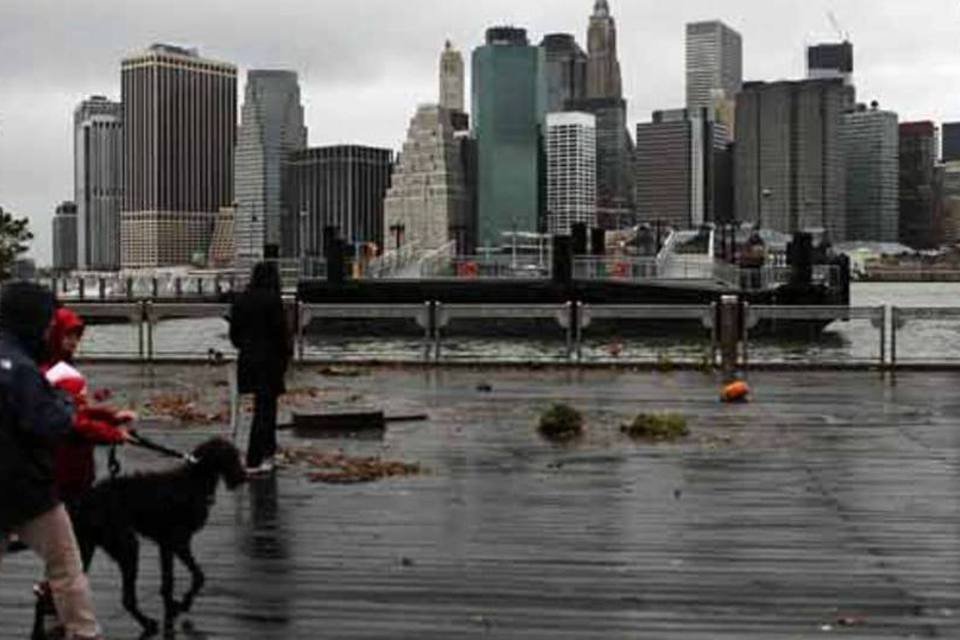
(362, 87)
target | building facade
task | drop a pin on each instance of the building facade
(951, 142)
(678, 164)
(831, 60)
(919, 201)
(509, 99)
(604, 99)
(271, 127)
(714, 61)
(571, 171)
(65, 237)
(789, 160)
(603, 66)
(871, 146)
(428, 204)
(98, 182)
(565, 70)
(451, 79)
(180, 128)
(342, 187)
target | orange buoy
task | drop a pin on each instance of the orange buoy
(736, 391)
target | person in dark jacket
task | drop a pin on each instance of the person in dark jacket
(33, 419)
(258, 329)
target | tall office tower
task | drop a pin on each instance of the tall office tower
(340, 186)
(951, 142)
(918, 185)
(871, 148)
(451, 79)
(831, 60)
(603, 67)
(509, 97)
(427, 204)
(566, 71)
(65, 237)
(271, 127)
(180, 129)
(98, 182)
(789, 158)
(950, 204)
(571, 171)
(714, 70)
(615, 173)
(677, 159)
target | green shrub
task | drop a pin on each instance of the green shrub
(659, 427)
(561, 422)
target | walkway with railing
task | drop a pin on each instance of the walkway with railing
(572, 334)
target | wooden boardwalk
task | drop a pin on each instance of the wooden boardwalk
(828, 507)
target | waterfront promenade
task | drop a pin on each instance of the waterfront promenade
(827, 507)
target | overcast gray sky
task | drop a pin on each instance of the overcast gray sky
(365, 64)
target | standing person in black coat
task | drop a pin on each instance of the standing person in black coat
(33, 419)
(258, 328)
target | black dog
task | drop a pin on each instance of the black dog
(166, 507)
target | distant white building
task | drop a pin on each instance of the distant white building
(571, 171)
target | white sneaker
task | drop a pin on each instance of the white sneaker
(265, 468)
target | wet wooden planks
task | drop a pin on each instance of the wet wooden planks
(831, 498)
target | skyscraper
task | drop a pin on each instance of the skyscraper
(918, 185)
(509, 98)
(871, 149)
(603, 66)
(65, 237)
(714, 70)
(180, 128)
(676, 162)
(951, 142)
(615, 174)
(831, 60)
(451, 79)
(271, 127)
(98, 182)
(340, 186)
(571, 171)
(566, 71)
(789, 157)
(428, 203)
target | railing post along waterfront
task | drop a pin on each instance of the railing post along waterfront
(883, 337)
(894, 326)
(745, 333)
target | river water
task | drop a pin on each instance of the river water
(841, 342)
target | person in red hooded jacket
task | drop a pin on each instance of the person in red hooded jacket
(74, 465)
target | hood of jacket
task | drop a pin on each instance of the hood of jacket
(65, 322)
(25, 313)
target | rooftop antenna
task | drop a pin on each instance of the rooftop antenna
(832, 17)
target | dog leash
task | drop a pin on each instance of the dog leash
(145, 443)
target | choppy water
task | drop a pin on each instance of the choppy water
(857, 340)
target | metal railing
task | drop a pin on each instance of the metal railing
(873, 337)
(492, 267)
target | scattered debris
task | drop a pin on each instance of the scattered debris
(736, 391)
(659, 427)
(338, 468)
(561, 423)
(851, 621)
(341, 372)
(485, 387)
(184, 409)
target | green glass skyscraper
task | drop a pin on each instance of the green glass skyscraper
(509, 103)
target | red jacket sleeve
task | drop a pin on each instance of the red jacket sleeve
(94, 430)
(102, 414)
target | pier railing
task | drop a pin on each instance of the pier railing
(568, 333)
